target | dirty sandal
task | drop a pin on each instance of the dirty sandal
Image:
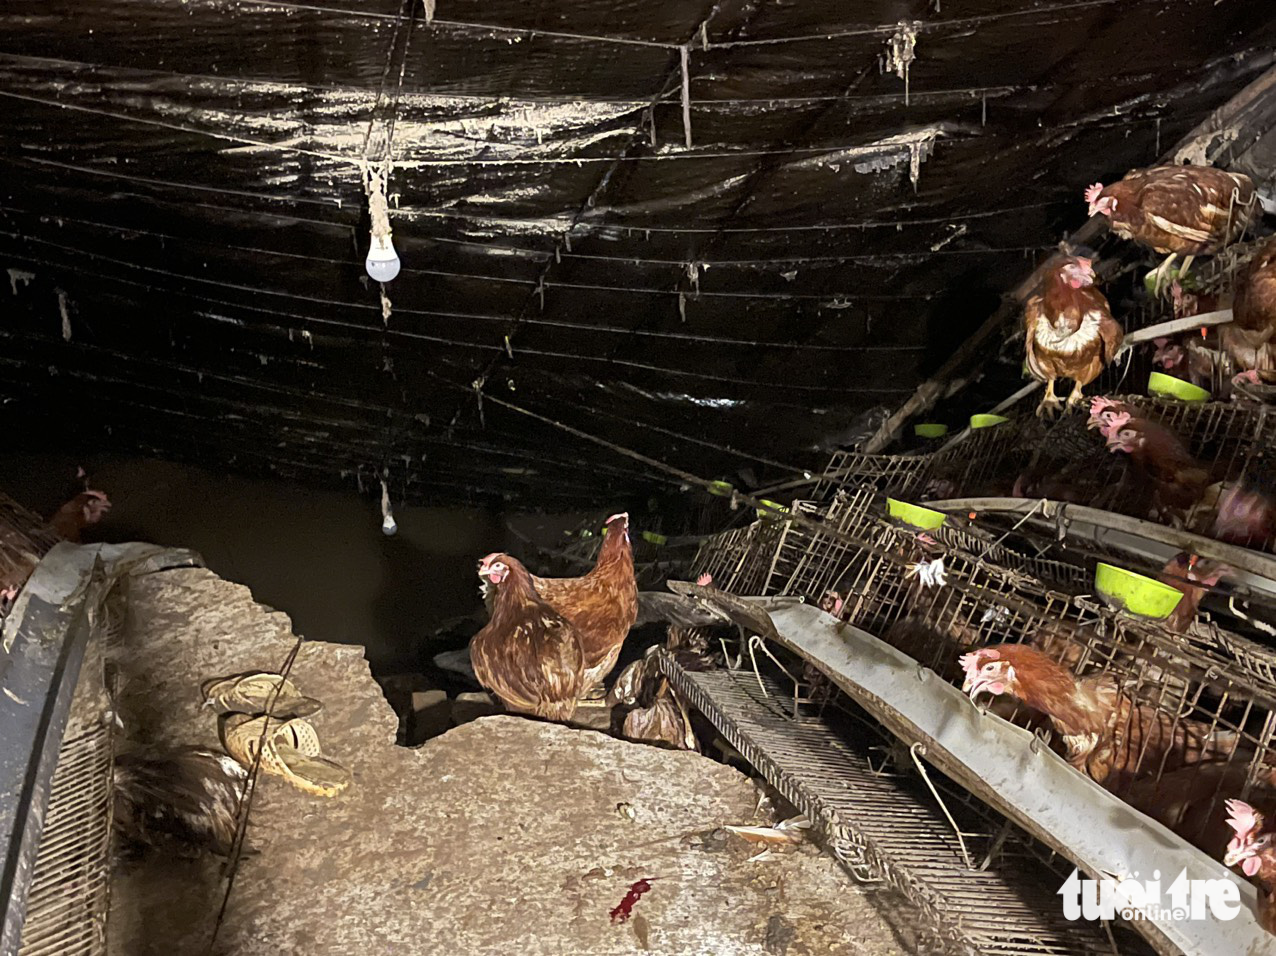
(290, 750)
(252, 692)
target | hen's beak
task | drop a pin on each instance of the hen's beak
(973, 685)
(1238, 855)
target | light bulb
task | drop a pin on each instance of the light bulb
(388, 527)
(382, 262)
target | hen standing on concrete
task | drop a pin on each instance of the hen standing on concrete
(602, 605)
(529, 655)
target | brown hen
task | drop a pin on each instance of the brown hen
(1180, 479)
(1253, 849)
(1069, 331)
(1184, 211)
(86, 508)
(1110, 737)
(24, 538)
(1247, 339)
(1194, 577)
(528, 654)
(603, 604)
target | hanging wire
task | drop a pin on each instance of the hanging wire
(409, 213)
(830, 298)
(541, 255)
(251, 784)
(869, 30)
(637, 102)
(244, 807)
(833, 150)
(843, 388)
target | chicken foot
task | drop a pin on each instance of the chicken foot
(1050, 402)
(1162, 273)
(1075, 399)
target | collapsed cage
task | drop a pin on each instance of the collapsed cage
(1010, 580)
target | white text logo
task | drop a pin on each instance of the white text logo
(1134, 899)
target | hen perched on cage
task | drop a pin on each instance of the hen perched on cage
(1183, 211)
(1069, 331)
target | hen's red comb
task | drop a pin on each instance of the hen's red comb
(1093, 192)
(970, 662)
(1242, 818)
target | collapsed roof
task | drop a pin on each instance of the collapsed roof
(713, 233)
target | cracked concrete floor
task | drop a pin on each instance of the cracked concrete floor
(501, 836)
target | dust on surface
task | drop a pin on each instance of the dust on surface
(504, 835)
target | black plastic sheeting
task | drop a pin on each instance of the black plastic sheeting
(184, 219)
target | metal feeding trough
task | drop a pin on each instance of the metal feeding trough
(886, 828)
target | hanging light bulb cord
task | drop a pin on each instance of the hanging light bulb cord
(378, 206)
(385, 502)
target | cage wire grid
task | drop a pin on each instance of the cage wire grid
(1064, 460)
(885, 829)
(69, 893)
(1195, 684)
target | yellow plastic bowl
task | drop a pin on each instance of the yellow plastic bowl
(1161, 384)
(987, 421)
(652, 538)
(918, 517)
(930, 430)
(771, 509)
(722, 489)
(1127, 591)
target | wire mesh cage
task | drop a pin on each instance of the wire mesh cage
(68, 895)
(24, 538)
(1197, 706)
(1226, 445)
(980, 884)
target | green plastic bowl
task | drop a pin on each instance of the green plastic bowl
(652, 538)
(930, 430)
(1161, 384)
(1188, 283)
(1127, 591)
(722, 489)
(987, 421)
(918, 517)
(771, 509)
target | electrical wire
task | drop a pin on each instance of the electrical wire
(828, 297)
(409, 213)
(541, 255)
(886, 29)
